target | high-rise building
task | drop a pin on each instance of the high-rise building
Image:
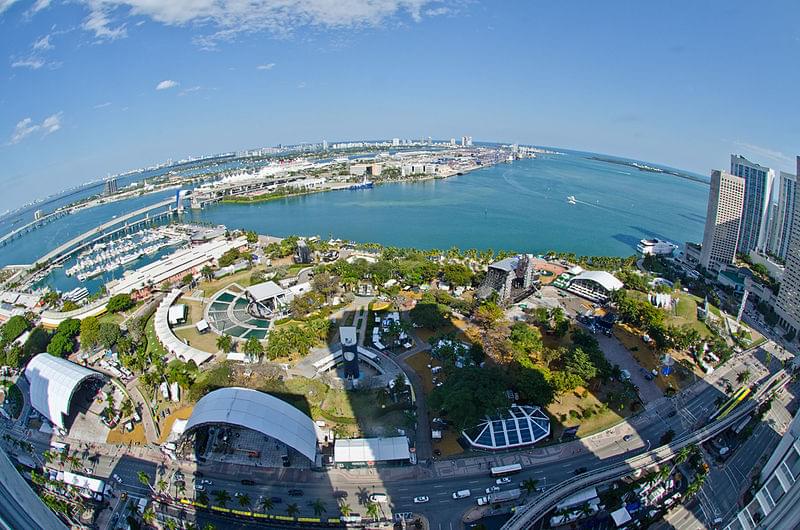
(787, 305)
(395, 141)
(110, 186)
(324, 145)
(784, 214)
(723, 216)
(758, 185)
(776, 504)
(452, 142)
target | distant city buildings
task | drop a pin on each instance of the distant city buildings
(723, 217)
(324, 145)
(110, 186)
(755, 211)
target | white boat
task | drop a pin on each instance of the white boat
(571, 199)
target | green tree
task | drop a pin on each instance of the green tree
(207, 273)
(319, 507)
(108, 333)
(744, 377)
(345, 509)
(60, 345)
(326, 284)
(457, 274)
(13, 328)
(221, 497)
(70, 327)
(251, 237)
(144, 478)
(254, 348)
(373, 510)
(224, 343)
(244, 500)
(534, 385)
(90, 332)
(429, 314)
(292, 510)
(266, 504)
(469, 394)
(149, 515)
(579, 364)
(120, 302)
(201, 497)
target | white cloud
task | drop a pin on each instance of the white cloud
(39, 5)
(229, 18)
(52, 123)
(757, 151)
(27, 127)
(103, 105)
(268, 66)
(5, 4)
(99, 23)
(32, 62)
(43, 44)
(166, 84)
(301, 84)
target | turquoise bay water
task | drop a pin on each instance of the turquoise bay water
(520, 206)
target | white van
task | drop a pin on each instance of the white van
(379, 497)
(462, 494)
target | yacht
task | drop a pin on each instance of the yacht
(571, 199)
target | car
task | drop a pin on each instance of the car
(671, 414)
(422, 499)
(581, 470)
(206, 482)
(117, 478)
(296, 493)
(462, 494)
(248, 482)
(378, 497)
(492, 489)
(276, 500)
(199, 487)
(502, 480)
(340, 494)
(627, 437)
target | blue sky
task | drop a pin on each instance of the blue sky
(682, 83)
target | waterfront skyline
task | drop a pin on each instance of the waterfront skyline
(110, 86)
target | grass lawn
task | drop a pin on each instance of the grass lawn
(295, 268)
(116, 318)
(419, 362)
(202, 341)
(571, 408)
(241, 277)
(153, 346)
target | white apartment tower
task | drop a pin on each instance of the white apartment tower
(755, 213)
(723, 216)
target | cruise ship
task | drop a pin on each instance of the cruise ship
(656, 247)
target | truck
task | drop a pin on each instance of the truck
(500, 496)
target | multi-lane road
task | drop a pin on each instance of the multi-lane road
(682, 414)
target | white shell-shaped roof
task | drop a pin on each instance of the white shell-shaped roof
(260, 412)
(52, 382)
(607, 280)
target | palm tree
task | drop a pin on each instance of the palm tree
(189, 526)
(318, 506)
(743, 377)
(161, 485)
(244, 500)
(266, 504)
(224, 343)
(530, 484)
(221, 497)
(171, 524)
(292, 510)
(149, 515)
(144, 478)
(209, 526)
(345, 509)
(126, 408)
(373, 510)
(201, 497)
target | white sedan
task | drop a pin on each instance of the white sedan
(422, 499)
(503, 480)
(492, 489)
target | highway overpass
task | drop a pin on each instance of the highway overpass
(527, 516)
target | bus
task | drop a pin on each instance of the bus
(501, 471)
